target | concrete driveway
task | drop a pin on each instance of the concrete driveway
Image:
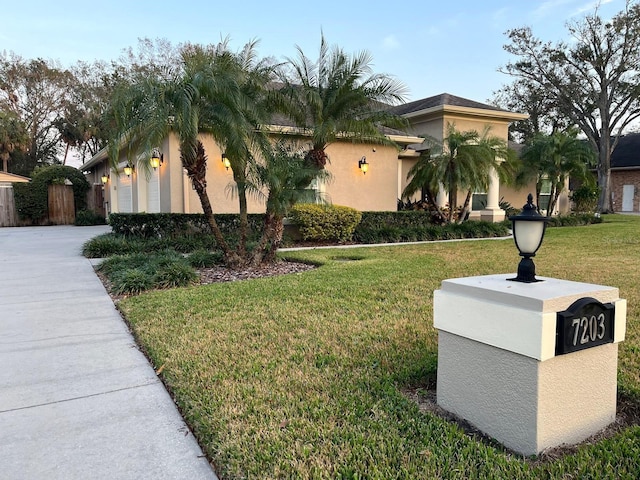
(77, 398)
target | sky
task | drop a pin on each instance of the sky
(431, 46)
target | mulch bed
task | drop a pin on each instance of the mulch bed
(223, 274)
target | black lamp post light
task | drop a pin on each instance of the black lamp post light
(528, 232)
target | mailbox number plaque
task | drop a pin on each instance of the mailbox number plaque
(586, 323)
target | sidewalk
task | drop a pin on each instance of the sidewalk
(77, 398)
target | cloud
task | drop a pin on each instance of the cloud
(590, 7)
(390, 42)
(549, 6)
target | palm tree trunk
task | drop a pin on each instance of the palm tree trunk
(240, 180)
(197, 173)
(465, 207)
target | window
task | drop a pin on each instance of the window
(545, 194)
(479, 201)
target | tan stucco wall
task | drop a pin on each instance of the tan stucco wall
(377, 190)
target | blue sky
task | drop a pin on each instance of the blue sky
(431, 46)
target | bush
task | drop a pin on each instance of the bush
(134, 273)
(585, 198)
(131, 281)
(325, 222)
(409, 226)
(172, 225)
(574, 220)
(174, 274)
(203, 258)
(85, 218)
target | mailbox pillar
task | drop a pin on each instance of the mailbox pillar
(499, 366)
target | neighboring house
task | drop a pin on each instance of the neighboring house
(625, 174)
(167, 188)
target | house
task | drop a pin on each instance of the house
(167, 187)
(625, 174)
(431, 117)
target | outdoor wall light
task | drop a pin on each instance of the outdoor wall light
(104, 179)
(128, 170)
(225, 161)
(363, 165)
(528, 232)
(156, 159)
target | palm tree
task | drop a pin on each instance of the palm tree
(204, 95)
(284, 175)
(338, 97)
(554, 158)
(464, 161)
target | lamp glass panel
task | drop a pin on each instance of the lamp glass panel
(364, 167)
(528, 235)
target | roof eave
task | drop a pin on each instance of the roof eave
(478, 112)
(98, 158)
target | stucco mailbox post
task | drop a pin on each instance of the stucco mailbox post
(532, 365)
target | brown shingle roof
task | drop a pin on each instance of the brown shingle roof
(441, 100)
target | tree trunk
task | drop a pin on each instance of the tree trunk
(197, 173)
(240, 180)
(605, 205)
(465, 207)
(277, 230)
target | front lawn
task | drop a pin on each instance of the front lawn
(301, 376)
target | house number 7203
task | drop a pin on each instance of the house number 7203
(588, 329)
(586, 323)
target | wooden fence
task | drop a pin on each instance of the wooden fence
(61, 207)
(8, 215)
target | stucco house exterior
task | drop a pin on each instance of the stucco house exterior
(167, 188)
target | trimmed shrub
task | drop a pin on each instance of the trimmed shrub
(410, 226)
(171, 225)
(574, 220)
(325, 222)
(85, 218)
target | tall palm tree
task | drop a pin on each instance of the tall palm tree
(464, 162)
(338, 96)
(554, 158)
(204, 95)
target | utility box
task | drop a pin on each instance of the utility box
(533, 365)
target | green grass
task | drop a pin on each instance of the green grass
(300, 376)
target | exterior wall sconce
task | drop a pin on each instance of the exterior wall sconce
(528, 232)
(128, 170)
(156, 159)
(225, 161)
(363, 165)
(104, 179)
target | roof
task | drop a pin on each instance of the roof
(447, 103)
(12, 177)
(442, 100)
(627, 152)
